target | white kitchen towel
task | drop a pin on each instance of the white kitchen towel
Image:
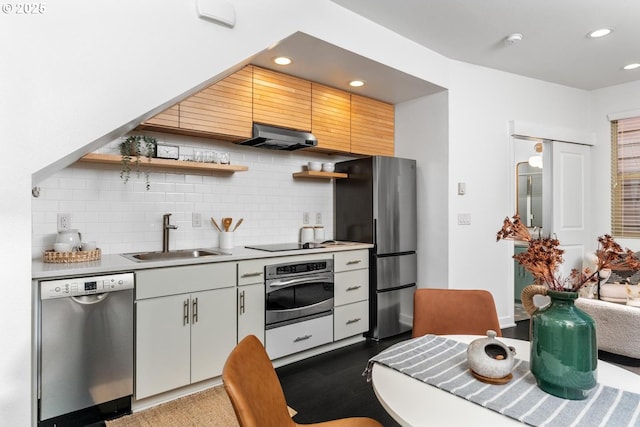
(442, 362)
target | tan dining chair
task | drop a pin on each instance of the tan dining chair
(454, 311)
(256, 394)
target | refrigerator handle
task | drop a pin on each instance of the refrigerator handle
(375, 233)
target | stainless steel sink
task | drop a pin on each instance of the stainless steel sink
(172, 255)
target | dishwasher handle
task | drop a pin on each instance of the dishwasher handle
(90, 299)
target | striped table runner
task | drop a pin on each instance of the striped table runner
(442, 362)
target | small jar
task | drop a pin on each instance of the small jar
(318, 233)
(306, 234)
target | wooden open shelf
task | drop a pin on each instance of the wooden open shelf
(113, 159)
(319, 175)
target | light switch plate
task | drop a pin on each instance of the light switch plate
(464, 219)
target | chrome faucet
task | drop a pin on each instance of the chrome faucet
(165, 231)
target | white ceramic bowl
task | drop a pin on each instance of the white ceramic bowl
(62, 247)
(88, 246)
(314, 166)
(328, 167)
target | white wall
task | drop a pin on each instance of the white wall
(481, 104)
(422, 127)
(77, 77)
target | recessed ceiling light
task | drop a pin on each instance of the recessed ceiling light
(631, 66)
(356, 83)
(600, 32)
(282, 60)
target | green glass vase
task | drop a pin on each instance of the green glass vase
(564, 352)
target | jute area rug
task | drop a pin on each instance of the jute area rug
(208, 408)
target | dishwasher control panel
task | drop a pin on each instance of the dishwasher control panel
(79, 286)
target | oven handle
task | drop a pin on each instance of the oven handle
(300, 280)
(328, 302)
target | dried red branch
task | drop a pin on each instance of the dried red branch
(543, 257)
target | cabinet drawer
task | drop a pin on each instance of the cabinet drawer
(351, 286)
(178, 280)
(351, 260)
(351, 319)
(252, 271)
(300, 336)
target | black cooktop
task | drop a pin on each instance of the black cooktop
(294, 246)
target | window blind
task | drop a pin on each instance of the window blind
(625, 177)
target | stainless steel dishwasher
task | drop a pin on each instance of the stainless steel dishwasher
(85, 363)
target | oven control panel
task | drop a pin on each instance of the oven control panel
(298, 268)
(79, 286)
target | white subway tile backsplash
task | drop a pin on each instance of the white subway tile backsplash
(125, 218)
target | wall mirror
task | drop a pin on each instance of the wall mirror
(528, 165)
(529, 194)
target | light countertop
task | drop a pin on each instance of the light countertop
(114, 263)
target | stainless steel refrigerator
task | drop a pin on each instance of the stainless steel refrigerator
(377, 204)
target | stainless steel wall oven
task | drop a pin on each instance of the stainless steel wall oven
(298, 291)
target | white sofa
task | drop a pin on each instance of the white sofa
(617, 326)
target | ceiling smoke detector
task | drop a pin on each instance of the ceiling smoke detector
(512, 38)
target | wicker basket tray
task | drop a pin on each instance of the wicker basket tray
(78, 256)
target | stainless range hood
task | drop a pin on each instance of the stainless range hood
(276, 138)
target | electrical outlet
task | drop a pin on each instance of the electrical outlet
(305, 217)
(64, 221)
(196, 219)
(318, 217)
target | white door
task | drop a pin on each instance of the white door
(568, 186)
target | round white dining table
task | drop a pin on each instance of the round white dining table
(414, 403)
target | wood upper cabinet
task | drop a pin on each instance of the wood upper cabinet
(372, 127)
(342, 122)
(224, 108)
(330, 118)
(281, 100)
(168, 118)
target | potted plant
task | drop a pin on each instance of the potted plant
(564, 353)
(131, 149)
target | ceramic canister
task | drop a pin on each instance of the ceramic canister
(306, 234)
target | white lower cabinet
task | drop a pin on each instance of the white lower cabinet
(183, 338)
(251, 311)
(300, 336)
(351, 316)
(163, 345)
(351, 319)
(211, 338)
